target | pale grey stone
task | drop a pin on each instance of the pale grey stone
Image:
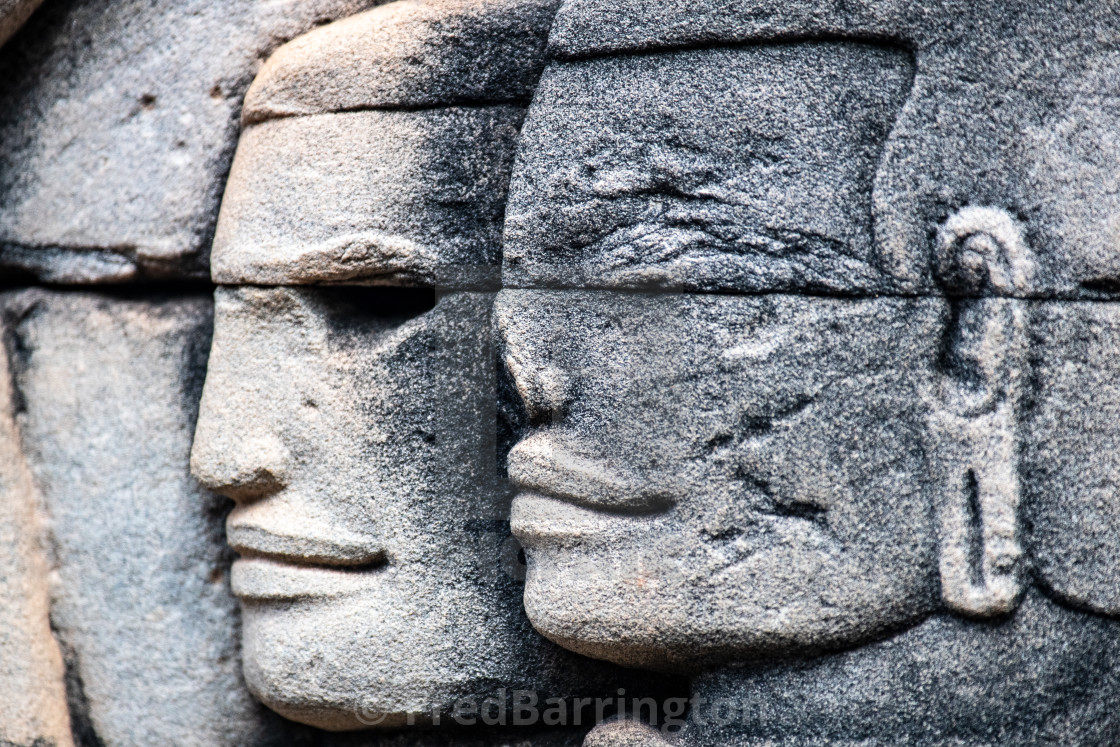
(354, 428)
(141, 600)
(408, 54)
(625, 733)
(119, 119)
(391, 157)
(32, 696)
(386, 197)
(995, 116)
(861, 492)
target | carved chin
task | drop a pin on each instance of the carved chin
(380, 659)
(667, 610)
(310, 671)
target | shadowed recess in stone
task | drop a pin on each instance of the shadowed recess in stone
(13, 14)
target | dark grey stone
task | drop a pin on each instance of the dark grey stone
(707, 478)
(1012, 106)
(1046, 675)
(1072, 460)
(721, 169)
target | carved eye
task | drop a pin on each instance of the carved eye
(366, 309)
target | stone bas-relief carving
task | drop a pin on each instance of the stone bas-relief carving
(699, 195)
(806, 342)
(992, 118)
(858, 519)
(766, 512)
(714, 479)
(431, 96)
(378, 581)
(354, 425)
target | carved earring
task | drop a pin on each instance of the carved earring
(982, 260)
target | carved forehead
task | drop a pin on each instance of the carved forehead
(408, 54)
(377, 149)
(995, 117)
(748, 168)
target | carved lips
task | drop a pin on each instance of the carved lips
(278, 564)
(541, 464)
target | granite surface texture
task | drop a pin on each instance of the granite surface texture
(481, 373)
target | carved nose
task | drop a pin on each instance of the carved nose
(545, 390)
(244, 468)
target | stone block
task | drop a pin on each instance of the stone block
(708, 478)
(119, 120)
(33, 707)
(727, 169)
(386, 197)
(993, 118)
(408, 54)
(141, 600)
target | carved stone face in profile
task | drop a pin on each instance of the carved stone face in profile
(351, 428)
(710, 474)
(353, 425)
(717, 461)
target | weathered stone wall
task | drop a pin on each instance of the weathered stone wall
(370, 367)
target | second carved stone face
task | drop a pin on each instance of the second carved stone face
(745, 471)
(706, 477)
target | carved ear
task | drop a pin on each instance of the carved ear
(976, 414)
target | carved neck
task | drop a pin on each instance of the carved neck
(947, 680)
